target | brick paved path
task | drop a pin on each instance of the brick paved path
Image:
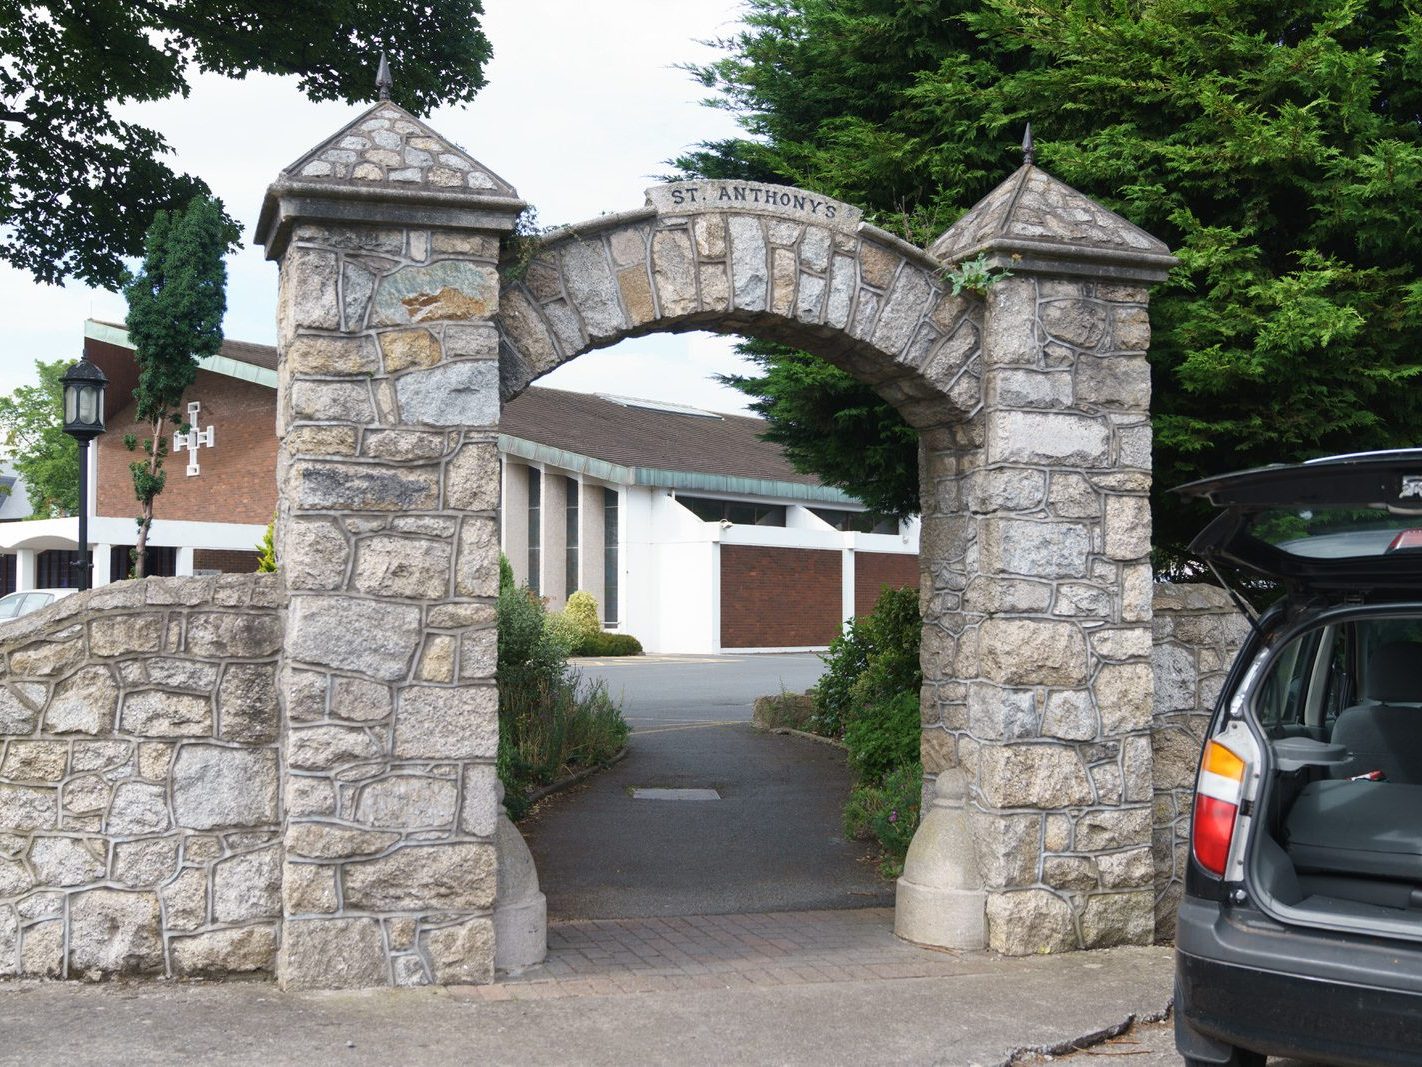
(611, 956)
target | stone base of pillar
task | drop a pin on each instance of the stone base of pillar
(520, 910)
(520, 933)
(940, 900)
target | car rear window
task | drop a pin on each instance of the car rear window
(1338, 533)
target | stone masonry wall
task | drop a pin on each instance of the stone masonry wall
(1036, 644)
(1198, 631)
(139, 818)
(387, 472)
(398, 339)
(386, 535)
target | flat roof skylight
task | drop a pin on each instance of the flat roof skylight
(659, 405)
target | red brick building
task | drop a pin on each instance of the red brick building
(690, 531)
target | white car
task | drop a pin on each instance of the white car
(16, 604)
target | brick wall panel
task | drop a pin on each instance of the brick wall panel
(235, 483)
(779, 597)
(228, 562)
(874, 570)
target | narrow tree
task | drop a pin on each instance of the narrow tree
(32, 429)
(175, 307)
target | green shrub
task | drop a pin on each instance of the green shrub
(793, 710)
(846, 660)
(560, 629)
(893, 633)
(869, 695)
(549, 724)
(531, 656)
(578, 624)
(582, 614)
(884, 737)
(266, 551)
(887, 812)
(545, 736)
(874, 660)
(606, 644)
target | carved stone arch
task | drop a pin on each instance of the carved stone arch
(864, 300)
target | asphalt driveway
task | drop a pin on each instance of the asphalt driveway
(771, 842)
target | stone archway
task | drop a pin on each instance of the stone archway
(751, 259)
(398, 341)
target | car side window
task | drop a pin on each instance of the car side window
(1338, 692)
(1284, 697)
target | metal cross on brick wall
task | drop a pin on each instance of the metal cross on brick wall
(193, 439)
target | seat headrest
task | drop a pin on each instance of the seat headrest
(1395, 673)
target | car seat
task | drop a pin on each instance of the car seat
(1384, 732)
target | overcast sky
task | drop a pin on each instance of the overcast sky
(583, 106)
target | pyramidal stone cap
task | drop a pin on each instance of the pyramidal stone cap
(1036, 223)
(388, 144)
(387, 156)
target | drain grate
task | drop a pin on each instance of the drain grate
(643, 793)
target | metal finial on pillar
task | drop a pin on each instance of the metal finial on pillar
(383, 81)
(1029, 150)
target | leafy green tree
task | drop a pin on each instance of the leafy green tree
(81, 183)
(1276, 148)
(175, 307)
(832, 424)
(32, 424)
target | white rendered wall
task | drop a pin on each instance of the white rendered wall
(590, 562)
(514, 515)
(554, 542)
(688, 593)
(42, 534)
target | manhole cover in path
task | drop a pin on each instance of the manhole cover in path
(641, 793)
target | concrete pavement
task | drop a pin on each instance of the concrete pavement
(1147, 1045)
(987, 1012)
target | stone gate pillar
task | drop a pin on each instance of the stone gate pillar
(1038, 609)
(388, 408)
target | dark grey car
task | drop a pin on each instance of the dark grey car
(1300, 931)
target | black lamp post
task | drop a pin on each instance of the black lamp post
(84, 420)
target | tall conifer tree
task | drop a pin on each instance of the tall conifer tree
(1276, 147)
(175, 308)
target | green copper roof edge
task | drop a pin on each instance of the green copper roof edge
(223, 365)
(600, 469)
(668, 479)
(737, 486)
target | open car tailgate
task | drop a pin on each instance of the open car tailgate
(1346, 523)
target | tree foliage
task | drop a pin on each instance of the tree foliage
(81, 183)
(1276, 148)
(175, 307)
(834, 425)
(32, 429)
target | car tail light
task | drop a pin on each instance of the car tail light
(1405, 540)
(1216, 806)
